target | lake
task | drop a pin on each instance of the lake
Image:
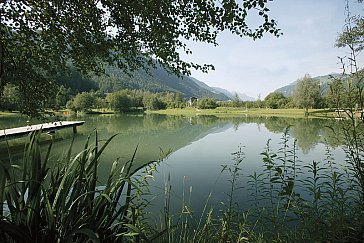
(200, 147)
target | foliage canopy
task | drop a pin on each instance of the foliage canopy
(275, 100)
(39, 39)
(307, 93)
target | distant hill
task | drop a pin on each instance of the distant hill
(74, 80)
(225, 92)
(158, 80)
(245, 97)
(325, 81)
(231, 94)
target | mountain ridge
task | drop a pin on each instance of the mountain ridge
(325, 81)
(154, 80)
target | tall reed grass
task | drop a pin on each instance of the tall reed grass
(66, 204)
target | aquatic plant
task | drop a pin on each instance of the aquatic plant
(66, 204)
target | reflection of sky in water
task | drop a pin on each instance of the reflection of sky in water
(201, 163)
(200, 144)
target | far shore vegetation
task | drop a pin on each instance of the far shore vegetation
(307, 100)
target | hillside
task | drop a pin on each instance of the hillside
(231, 94)
(158, 80)
(325, 81)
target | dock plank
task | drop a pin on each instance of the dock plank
(45, 127)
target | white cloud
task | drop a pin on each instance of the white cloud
(310, 28)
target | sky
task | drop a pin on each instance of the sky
(257, 68)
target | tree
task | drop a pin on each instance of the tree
(120, 101)
(206, 103)
(336, 94)
(60, 99)
(307, 93)
(236, 101)
(84, 101)
(151, 102)
(40, 39)
(353, 34)
(275, 100)
(10, 99)
(352, 38)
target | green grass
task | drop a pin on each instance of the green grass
(230, 111)
(8, 113)
(219, 111)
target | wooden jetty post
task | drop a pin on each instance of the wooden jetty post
(50, 127)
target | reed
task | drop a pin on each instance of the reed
(66, 204)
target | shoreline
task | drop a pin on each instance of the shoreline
(238, 112)
(218, 112)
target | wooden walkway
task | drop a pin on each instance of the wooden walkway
(45, 127)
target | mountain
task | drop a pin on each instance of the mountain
(225, 92)
(231, 95)
(157, 80)
(245, 97)
(325, 82)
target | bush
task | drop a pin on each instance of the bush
(206, 103)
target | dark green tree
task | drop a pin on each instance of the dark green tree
(206, 103)
(236, 101)
(275, 100)
(336, 94)
(152, 102)
(120, 101)
(84, 101)
(172, 100)
(60, 99)
(11, 99)
(41, 39)
(307, 94)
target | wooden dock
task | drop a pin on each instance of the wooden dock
(45, 127)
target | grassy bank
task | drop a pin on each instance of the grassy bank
(8, 113)
(219, 112)
(230, 111)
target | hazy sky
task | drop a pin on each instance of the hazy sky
(309, 28)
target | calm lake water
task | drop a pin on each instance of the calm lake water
(200, 147)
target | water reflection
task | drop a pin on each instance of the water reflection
(200, 146)
(155, 132)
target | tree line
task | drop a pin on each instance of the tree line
(307, 95)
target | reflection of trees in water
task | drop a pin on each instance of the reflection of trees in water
(131, 124)
(307, 131)
(278, 124)
(237, 121)
(204, 120)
